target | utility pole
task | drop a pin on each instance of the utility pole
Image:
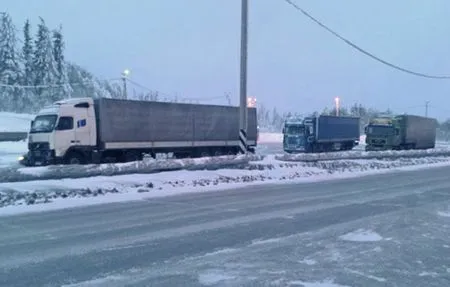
(427, 103)
(243, 79)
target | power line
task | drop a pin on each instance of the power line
(167, 95)
(82, 83)
(365, 52)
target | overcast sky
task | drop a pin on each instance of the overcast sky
(191, 48)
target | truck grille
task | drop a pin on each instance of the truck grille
(292, 141)
(378, 141)
(39, 146)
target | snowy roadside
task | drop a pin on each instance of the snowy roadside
(22, 197)
(354, 154)
(147, 166)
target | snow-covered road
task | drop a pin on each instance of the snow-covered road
(382, 230)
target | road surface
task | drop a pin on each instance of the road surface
(384, 230)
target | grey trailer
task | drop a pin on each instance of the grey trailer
(158, 127)
(418, 132)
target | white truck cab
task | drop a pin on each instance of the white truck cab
(57, 129)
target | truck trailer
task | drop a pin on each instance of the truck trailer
(401, 132)
(84, 130)
(321, 134)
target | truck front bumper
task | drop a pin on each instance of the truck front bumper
(290, 149)
(39, 158)
(377, 148)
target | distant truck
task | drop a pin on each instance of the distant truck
(401, 132)
(83, 130)
(321, 134)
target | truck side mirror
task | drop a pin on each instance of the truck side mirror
(365, 129)
(31, 124)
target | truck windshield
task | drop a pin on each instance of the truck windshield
(43, 124)
(295, 130)
(380, 130)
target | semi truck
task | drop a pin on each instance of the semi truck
(400, 132)
(321, 134)
(86, 130)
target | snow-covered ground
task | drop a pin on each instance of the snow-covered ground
(11, 122)
(270, 138)
(355, 154)
(17, 197)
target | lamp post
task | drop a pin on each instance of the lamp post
(125, 74)
(337, 105)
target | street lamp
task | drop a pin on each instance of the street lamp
(125, 75)
(251, 102)
(337, 106)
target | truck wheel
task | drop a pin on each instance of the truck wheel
(74, 158)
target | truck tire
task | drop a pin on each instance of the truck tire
(74, 158)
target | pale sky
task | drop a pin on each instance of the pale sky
(191, 48)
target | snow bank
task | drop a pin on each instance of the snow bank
(13, 174)
(354, 154)
(11, 122)
(21, 197)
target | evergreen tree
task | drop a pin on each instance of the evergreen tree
(28, 77)
(9, 66)
(27, 54)
(44, 66)
(64, 89)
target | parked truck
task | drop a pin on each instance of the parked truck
(83, 130)
(320, 134)
(400, 132)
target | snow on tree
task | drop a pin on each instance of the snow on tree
(44, 66)
(28, 99)
(84, 84)
(27, 55)
(9, 65)
(64, 90)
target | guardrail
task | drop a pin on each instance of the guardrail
(13, 136)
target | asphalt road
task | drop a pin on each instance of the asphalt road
(274, 235)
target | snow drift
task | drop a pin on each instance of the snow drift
(437, 152)
(146, 166)
(103, 189)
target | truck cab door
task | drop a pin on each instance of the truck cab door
(82, 131)
(64, 135)
(396, 137)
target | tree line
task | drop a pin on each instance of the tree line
(273, 120)
(270, 120)
(34, 72)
